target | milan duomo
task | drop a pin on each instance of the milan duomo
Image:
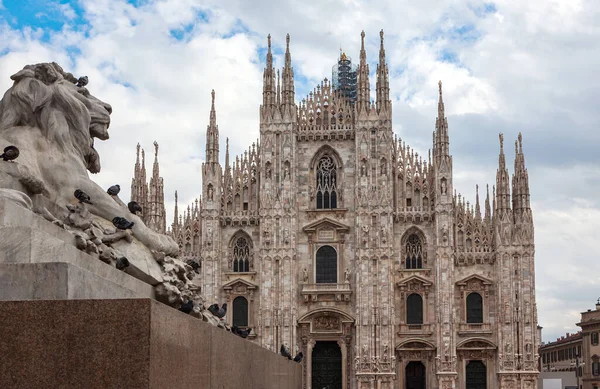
(333, 237)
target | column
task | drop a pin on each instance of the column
(343, 348)
(309, 348)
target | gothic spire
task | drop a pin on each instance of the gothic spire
(383, 84)
(212, 135)
(364, 89)
(520, 180)
(502, 184)
(477, 206)
(287, 76)
(269, 78)
(155, 167)
(175, 216)
(488, 211)
(278, 90)
(441, 148)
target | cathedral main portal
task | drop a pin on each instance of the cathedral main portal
(326, 366)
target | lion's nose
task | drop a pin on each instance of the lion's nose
(108, 108)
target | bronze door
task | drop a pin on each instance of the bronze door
(326, 366)
(415, 375)
(476, 373)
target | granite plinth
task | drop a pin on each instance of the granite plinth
(128, 343)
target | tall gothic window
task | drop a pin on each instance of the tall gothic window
(474, 308)
(241, 255)
(326, 265)
(240, 312)
(414, 252)
(326, 183)
(414, 309)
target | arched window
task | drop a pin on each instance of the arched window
(326, 183)
(241, 255)
(240, 312)
(326, 265)
(414, 252)
(474, 308)
(414, 309)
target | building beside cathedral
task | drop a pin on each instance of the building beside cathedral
(149, 195)
(333, 237)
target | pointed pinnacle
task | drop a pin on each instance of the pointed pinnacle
(520, 143)
(269, 41)
(501, 136)
(287, 42)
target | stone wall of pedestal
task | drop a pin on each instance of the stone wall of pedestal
(130, 343)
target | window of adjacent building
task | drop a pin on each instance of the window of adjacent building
(594, 338)
(414, 309)
(240, 312)
(474, 308)
(241, 255)
(414, 252)
(326, 183)
(326, 265)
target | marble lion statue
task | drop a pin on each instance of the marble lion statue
(54, 123)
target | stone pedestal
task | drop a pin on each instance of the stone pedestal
(131, 343)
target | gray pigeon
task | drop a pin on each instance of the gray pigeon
(121, 223)
(10, 153)
(122, 263)
(82, 81)
(134, 207)
(82, 196)
(114, 190)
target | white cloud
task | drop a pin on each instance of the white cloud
(527, 67)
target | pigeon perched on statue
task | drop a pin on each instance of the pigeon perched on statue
(298, 357)
(284, 352)
(122, 224)
(122, 263)
(218, 312)
(82, 196)
(195, 266)
(134, 207)
(187, 307)
(243, 333)
(114, 190)
(10, 153)
(82, 81)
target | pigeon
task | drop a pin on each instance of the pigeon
(298, 357)
(114, 190)
(284, 352)
(195, 266)
(134, 207)
(218, 312)
(122, 263)
(121, 223)
(187, 307)
(241, 332)
(82, 81)
(82, 196)
(10, 153)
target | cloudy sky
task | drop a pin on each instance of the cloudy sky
(507, 66)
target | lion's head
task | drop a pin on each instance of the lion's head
(45, 96)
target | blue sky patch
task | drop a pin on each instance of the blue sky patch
(48, 15)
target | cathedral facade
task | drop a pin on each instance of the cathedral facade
(333, 237)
